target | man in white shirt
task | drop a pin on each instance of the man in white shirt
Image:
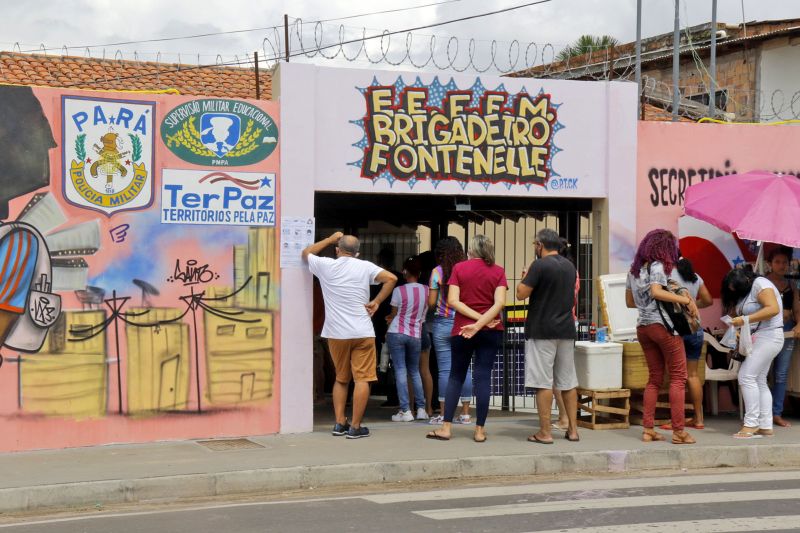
(345, 285)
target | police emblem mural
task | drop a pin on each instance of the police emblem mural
(107, 153)
(215, 132)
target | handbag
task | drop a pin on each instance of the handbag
(683, 323)
(739, 355)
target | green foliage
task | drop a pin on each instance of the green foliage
(80, 147)
(586, 44)
(136, 144)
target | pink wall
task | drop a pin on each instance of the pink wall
(673, 156)
(149, 251)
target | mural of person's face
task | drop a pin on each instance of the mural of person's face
(25, 138)
(25, 165)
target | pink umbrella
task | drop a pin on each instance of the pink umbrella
(758, 206)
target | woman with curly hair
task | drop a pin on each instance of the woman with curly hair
(662, 346)
(448, 253)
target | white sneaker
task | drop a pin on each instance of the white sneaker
(436, 420)
(463, 419)
(403, 416)
(421, 414)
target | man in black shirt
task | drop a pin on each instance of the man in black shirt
(550, 333)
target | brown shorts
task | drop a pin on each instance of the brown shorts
(354, 359)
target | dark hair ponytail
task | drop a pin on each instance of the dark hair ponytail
(686, 270)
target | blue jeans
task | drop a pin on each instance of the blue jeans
(693, 344)
(780, 375)
(484, 345)
(404, 351)
(442, 328)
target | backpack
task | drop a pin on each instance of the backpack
(683, 323)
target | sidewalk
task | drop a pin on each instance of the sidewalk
(395, 452)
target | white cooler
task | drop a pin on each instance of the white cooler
(598, 364)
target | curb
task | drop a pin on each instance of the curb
(174, 488)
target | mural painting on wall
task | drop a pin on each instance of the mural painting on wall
(441, 132)
(134, 281)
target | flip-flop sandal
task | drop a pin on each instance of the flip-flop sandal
(653, 437)
(435, 436)
(476, 439)
(765, 432)
(537, 440)
(746, 435)
(576, 439)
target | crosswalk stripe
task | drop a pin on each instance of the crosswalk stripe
(576, 486)
(608, 503)
(716, 525)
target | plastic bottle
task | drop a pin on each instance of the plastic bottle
(592, 331)
(602, 334)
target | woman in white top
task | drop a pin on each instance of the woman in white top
(745, 295)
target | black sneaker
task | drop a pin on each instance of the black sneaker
(357, 433)
(340, 429)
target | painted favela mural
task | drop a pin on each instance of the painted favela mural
(139, 279)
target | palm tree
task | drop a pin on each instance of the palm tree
(586, 44)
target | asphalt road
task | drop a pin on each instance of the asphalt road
(742, 501)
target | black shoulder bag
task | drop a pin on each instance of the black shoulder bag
(677, 316)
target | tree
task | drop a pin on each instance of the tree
(586, 44)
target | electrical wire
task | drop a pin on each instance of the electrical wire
(232, 32)
(304, 52)
(162, 39)
(389, 11)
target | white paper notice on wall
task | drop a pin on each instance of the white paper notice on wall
(297, 233)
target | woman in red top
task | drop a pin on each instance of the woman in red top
(477, 292)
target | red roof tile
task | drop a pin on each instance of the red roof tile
(102, 74)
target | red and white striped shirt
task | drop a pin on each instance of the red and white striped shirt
(411, 301)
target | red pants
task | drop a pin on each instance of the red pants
(662, 349)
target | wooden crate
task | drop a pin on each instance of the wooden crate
(662, 408)
(607, 409)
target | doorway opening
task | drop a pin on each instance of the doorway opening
(409, 224)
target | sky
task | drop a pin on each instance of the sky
(539, 30)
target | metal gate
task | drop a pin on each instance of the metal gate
(513, 236)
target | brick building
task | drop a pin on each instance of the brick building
(758, 70)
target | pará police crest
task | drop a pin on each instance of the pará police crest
(107, 148)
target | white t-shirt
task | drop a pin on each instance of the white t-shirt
(749, 304)
(692, 287)
(345, 288)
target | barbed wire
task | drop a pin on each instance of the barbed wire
(337, 43)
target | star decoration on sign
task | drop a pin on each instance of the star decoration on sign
(266, 182)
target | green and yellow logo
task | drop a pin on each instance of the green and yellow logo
(215, 132)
